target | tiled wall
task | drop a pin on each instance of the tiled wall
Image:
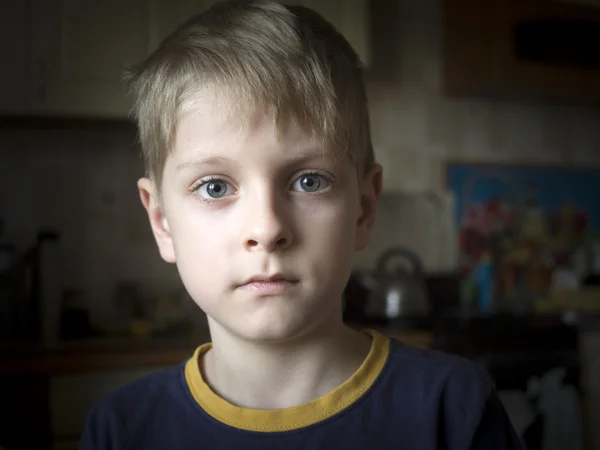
(83, 182)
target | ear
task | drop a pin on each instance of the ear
(158, 221)
(370, 192)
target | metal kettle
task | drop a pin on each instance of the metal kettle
(398, 287)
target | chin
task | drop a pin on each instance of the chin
(271, 328)
(270, 332)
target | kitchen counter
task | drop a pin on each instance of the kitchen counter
(127, 353)
(459, 321)
(103, 354)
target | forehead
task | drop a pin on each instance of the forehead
(238, 109)
(212, 122)
(211, 127)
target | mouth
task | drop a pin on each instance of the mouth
(267, 285)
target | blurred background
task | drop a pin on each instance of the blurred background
(485, 117)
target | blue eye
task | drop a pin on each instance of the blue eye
(213, 189)
(311, 182)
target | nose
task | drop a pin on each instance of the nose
(267, 227)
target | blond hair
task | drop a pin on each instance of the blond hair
(257, 56)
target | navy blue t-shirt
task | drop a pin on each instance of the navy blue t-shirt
(400, 398)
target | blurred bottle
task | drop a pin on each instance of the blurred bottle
(483, 276)
(49, 286)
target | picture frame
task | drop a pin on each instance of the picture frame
(527, 222)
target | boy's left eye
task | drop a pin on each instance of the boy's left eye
(213, 189)
(311, 182)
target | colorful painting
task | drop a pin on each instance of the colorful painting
(526, 220)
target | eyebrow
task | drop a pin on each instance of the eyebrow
(305, 155)
(211, 161)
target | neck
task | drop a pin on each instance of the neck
(282, 375)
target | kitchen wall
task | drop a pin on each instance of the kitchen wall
(83, 181)
(416, 129)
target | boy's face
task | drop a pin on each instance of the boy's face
(263, 227)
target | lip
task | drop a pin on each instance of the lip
(262, 286)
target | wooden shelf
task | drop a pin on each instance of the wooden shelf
(97, 355)
(481, 59)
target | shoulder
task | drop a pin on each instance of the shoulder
(439, 372)
(145, 390)
(451, 394)
(121, 414)
(455, 398)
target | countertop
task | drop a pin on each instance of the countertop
(102, 354)
(89, 355)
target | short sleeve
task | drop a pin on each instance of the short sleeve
(99, 431)
(495, 431)
(88, 440)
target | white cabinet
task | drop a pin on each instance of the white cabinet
(14, 48)
(79, 51)
(67, 57)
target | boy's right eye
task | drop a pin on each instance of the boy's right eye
(213, 188)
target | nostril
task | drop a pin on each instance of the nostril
(269, 245)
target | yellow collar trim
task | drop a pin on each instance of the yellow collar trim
(297, 416)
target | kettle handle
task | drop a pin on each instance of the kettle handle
(393, 253)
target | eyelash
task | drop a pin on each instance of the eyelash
(204, 181)
(328, 179)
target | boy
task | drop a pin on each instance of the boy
(261, 186)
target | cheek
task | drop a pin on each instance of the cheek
(329, 232)
(333, 221)
(200, 240)
(195, 232)
(201, 266)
